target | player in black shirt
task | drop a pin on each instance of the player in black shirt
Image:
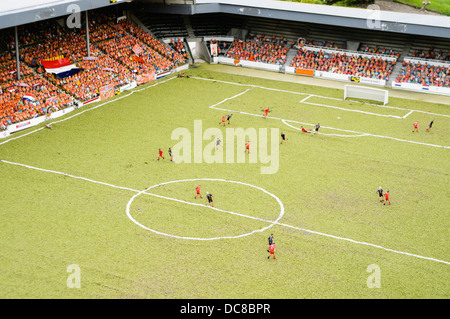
(229, 117)
(316, 131)
(210, 200)
(270, 239)
(170, 154)
(283, 137)
(218, 141)
(380, 193)
(430, 125)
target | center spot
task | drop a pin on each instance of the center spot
(208, 209)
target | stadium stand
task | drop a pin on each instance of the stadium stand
(431, 54)
(119, 52)
(258, 51)
(375, 49)
(178, 46)
(289, 31)
(341, 63)
(70, 45)
(423, 48)
(161, 54)
(425, 74)
(30, 97)
(98, 72)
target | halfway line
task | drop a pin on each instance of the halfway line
(263, 220)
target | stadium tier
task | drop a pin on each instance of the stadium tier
(343, 63)
(120, 51)
(264, 51)
(424, 74)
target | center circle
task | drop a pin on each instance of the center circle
(203, 179)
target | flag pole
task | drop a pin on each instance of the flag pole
(87, 35)
(17, 52)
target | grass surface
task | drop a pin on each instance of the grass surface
(326, 184)
(441, 6)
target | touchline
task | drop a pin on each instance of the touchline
(236, 146)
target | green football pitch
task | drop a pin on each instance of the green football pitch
(89, 212)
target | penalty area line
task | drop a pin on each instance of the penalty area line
(332, 128)
(320, 96)
(276, 222)
(339, 135)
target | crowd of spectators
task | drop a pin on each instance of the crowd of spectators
(163, 55)
(71, 45)
(424, 74)
(153, 55)
(325, 44)
(103, 27)
(8, 68)
(98, 72)
(121, 49)
(29, 97)
(265, 52)
(431, 54)
(178, 46)
(30, 34)
(342, 63)
(262, 38)
(381, 51)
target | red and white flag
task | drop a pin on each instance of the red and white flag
(60, 67)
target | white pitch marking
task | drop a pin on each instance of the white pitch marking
(229, 98)
(351, 110)
(332, 128)
(325, 97)
(303, 101)
(339, 135)
(276, 222)
(405, 116)
(214, 208)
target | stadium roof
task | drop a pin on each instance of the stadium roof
(417, 24)
(18, 12)
(15, 12)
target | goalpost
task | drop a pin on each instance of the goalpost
(366, 93)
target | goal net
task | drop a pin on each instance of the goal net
(366, 93)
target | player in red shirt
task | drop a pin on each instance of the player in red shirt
(198, 191)
(306, 130)
(386, 197)
(224, 118)
(247, 147)
(160, 154)
(416, 127)
(271, 251)
(266, 111)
